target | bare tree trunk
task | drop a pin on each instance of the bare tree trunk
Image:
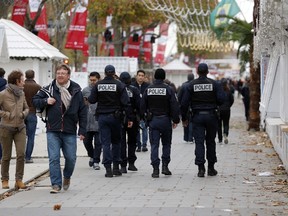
(254, 87)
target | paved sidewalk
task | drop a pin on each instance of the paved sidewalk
(249, 182)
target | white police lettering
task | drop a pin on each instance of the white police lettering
(107, 87)
(129, 92)
(156, 91)
(203, 87)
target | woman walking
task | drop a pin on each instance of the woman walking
(224, 112)
(13, 110)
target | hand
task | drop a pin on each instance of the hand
(51, 100)
(130, 124)
(82, 137)
(185, 123)
(174, 125)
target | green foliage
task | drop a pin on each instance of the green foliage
(238, 31)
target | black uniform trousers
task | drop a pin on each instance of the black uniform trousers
(205, 125)
(131, 141)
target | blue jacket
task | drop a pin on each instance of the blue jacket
(59, 119)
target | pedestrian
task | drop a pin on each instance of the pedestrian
(245, 92)
(141, 85)
(187, 131)
(3, 83)
(160, 105)
(13, 111)
(204, 95)
(30, 89)
(65, 111)
(112, 99)
(224, 112)
(92, 129)
(132, 132)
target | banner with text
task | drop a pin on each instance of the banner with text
(19, 11)
(77, 28)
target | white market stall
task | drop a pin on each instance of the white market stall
(24, 51)
(177, 71)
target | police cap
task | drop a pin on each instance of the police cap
(125, 77)
(160, 74)
(109, 69)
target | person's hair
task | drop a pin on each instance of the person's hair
(29, 74)
(95, 74)
(190, 77)
(63, 66)
(141, 71)
(14, 76)
(2, 72)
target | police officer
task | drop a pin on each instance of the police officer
(134, 95)
(204, 95)
(112, 99)
(160, 104)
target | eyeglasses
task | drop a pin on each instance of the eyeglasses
(61, 74)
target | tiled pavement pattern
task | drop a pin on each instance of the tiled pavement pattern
(236, 190)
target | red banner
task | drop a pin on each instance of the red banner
(41, 24)
(132, 48)
(19, 11)
(147, 45)
(162, 41)
(76, 32)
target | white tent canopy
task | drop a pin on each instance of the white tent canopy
(4, 55)
(177, 72)
(23, 43)
(177, 65)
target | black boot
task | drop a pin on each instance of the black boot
(155, 173)
(123, 169)
(165, 170)
(116, 170)
(132, 167)
(201, 170)
(211, 170)
(108, 173)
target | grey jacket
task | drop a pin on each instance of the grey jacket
(92, 124)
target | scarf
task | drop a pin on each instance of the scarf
(65, 95)
(16, 90)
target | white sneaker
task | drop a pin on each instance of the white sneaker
(225, 139)
(96, 166)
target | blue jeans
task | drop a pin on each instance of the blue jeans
(31, 124)
(144, 135)
(110, 133)
(68, 144)
(160, 128)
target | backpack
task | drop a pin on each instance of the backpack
(42, 113)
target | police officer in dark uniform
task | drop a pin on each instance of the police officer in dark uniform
(112, 99)
(161, 107)
(134, 95)
(204, 95)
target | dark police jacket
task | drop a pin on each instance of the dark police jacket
(160, 99)
(111, 96)
(59, 118)
(202, 94)
(134, 95)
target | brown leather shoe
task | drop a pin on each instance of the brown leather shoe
(5, 184)
(20, 185)
(66, 184)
